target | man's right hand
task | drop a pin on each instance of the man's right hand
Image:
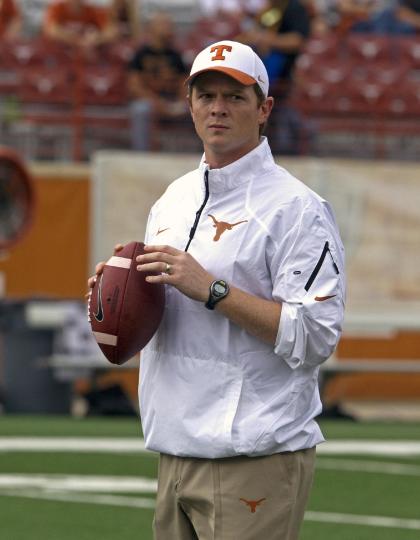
(99, 269)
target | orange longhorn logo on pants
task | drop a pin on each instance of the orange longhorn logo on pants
(253, 504)
(222, 226)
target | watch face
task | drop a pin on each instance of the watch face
(219, 289)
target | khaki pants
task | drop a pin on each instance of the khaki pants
(239, 498)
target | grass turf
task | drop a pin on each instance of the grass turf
(340, 491)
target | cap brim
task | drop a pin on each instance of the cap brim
(241, 77)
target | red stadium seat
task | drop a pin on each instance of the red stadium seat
(370, 47)
(24, 52)
(326, 47)
(46, 85)
(103, 85)
(121, 52)
(403, 100)
(409, 50)
(385, 73)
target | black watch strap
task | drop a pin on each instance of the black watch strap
(219, 289)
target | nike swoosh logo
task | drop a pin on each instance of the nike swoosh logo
(162, 230)
(261, 80)
(323, 298)
(99, 315)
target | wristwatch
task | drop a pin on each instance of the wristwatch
(219, 289)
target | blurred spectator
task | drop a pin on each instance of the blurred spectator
(210, 8)
(126, 17)
(279, 32)
(340, 15)
(156, 81)
(77, 23)
(10, 19)
(403, 18)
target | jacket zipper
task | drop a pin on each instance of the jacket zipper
(318, 265)
(199, 211)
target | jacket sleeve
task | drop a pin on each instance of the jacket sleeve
(307, 268)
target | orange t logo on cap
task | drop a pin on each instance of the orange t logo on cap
(219, 50)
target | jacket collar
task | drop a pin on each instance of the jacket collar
(256, 162)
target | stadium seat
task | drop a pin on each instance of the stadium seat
(370, 47)
(207, 30)
(326, 47)
(46, 85)
(403, 100)
(25, 52)
(103, 85)
(121, 52)
(385, 73)
(409, 50)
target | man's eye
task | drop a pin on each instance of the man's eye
(236, 97)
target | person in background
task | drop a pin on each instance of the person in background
(402, 18)
(79, 24)
(125, 14)
(156, 75)
(10, 19)
(278, 35)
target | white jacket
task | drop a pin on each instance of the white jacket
(207, 387)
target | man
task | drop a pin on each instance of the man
(253, 267)
(155, 82)
(401, 18)
(76, 23)
(10, 20)
(282, 30)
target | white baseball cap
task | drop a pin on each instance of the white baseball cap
(236, 60)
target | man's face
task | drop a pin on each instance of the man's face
(226, 116)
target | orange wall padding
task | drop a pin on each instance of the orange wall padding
(368, 386)
(51, 261)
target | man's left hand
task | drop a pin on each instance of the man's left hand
(177, 268)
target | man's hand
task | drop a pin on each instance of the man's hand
(177, 268)
(99, 269)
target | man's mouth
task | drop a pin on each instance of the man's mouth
(218, 126)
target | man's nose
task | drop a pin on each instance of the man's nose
(219, 106)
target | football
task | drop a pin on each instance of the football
(124, 310)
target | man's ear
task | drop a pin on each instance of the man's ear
(266, 108)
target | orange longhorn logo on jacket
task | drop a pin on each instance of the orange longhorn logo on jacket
(222, 226)
(252, 504)
(219, 50)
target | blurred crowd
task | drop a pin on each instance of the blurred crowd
(161, 53)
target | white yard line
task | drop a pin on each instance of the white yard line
(72, 444)
(371, 521)
(146, 503)
(136, 445)
(63, 482)
(110, 500)
(370, 447)
(382, 467)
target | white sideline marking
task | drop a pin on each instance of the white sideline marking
(102, 484)
(369, 448)
(112, 500)
(372, 521)
(72, 444)
(135, 445)
(143, 502)
(382, 467)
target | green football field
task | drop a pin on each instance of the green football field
(88, 479)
